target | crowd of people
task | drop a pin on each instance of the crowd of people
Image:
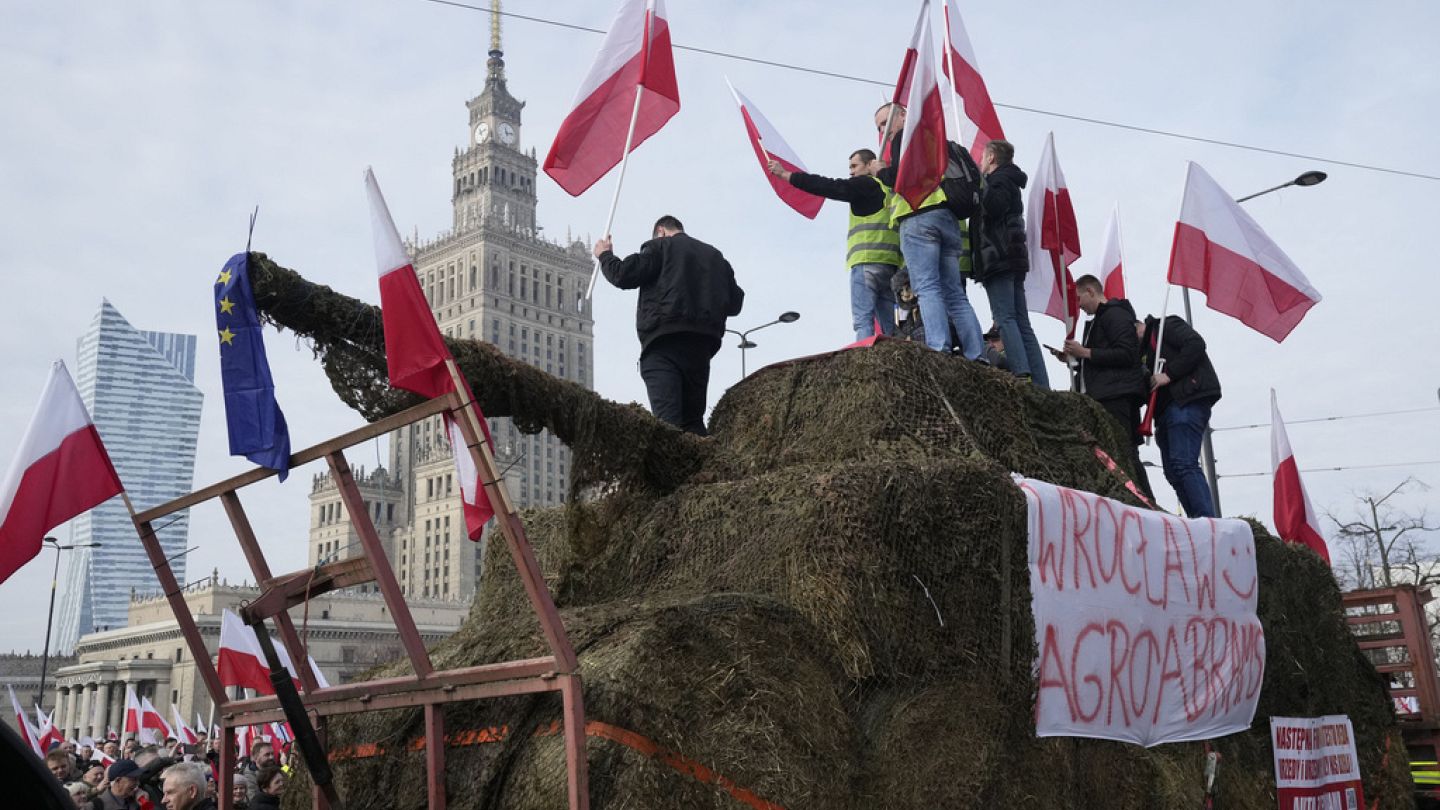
(909, 271)
(173, 776)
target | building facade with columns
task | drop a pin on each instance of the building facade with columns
(495, 277)
(346, 633)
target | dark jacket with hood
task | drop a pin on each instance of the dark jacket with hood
(1001, 225)
(1113, 370)
(686, 287)
(1192, 378)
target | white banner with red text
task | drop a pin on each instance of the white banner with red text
(1315, 763)
(1145, 622)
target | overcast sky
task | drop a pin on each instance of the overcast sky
(142, 133)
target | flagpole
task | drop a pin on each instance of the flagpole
(954, 91)
(1146, 428)
(619, 181)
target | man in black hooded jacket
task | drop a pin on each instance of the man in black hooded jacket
(1002, 259)
(1110, 369)
(1187, 388)
(687, 290)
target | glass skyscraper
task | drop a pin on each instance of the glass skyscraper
(140, 389)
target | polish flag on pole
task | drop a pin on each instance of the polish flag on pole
(1054, 242)
(963, 71)
(907, 76)
(628, 96)
(200, 726)
(1112, 262)
(49, 735)
(241, 662)
(923, 156)
(244, 739)
(182, 732)
(1294, 517)
(1222, 252)
(153, 723)
(60, 470)
(28, 732)
(132, 713)
(416, 354)
(768, 144)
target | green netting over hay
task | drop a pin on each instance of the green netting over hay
(825, 605)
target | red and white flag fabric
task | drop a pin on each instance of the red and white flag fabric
(1111, 271)
(244, 739)
(768, 143)
(60, 470)
(49, 734)
(963, 71)
(200, 724)
(1054, 242)
(182, 732)
(104, 759)
(923, 155)
(1294, 517)
(153, 723)
(416, 354)
(26, 729)
(901, 95)
(131, 726)
(633, 77)
(1222, 252)
(240, 661)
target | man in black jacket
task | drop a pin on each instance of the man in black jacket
(1110, 370)
(687, 290)
(1187, 389)
(1003, 260)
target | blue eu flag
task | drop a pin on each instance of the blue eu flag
(257, 427)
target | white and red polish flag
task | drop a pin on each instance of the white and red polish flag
(1294, 517)
(153, 722)
(49, 734)
(968, 84)
(27, 730)
(906, 78)
(182, 732)
(244, 739)
(1111, 271)
(923, 155)
(1222, 252)
(200, 724)
(1054, 242)
(132, 713)
(768, 144)
(60, 470)
(635, 60)
(416, 354)
(241, 662)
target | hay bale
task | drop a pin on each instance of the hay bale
(826, 604)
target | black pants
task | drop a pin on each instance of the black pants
(1126, 411)
(676, 371)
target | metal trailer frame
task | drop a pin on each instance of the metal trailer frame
(557, 672)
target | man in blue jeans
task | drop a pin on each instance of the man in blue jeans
(1187, 388)
(1003, 259)
(936, 248)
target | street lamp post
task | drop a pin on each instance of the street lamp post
(1207, 447)
(50, 620)
(745, 341)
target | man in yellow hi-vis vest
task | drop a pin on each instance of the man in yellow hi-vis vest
(872, 249)
(936, 248)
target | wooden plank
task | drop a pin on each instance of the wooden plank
(246, 712)
(435, 756)
(309, 454)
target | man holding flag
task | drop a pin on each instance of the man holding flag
(873, 243)
(1187, 387)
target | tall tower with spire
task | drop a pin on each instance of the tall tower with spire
(493, 276)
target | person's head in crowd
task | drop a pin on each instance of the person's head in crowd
(997, 153)
(897, 121)
(184, 786)
(666, 226)
(130, 747)
(243, 789)
(111, 749)
(862, 162)
(94, 776)
(1089, 293)
(79, 793)
(124, 778)
(86, 752)
(994, 338)
(60, 763)
(270, 779)
(68, 747)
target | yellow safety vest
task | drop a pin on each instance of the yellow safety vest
(874, 239)
(900, 209)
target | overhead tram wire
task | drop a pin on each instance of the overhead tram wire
(1289, 422)
(1339, 469)
(1033, 110)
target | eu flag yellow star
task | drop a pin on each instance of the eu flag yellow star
(226, 305)
(226, 336)
(224, 277)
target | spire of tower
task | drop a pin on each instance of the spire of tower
(496, 64)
